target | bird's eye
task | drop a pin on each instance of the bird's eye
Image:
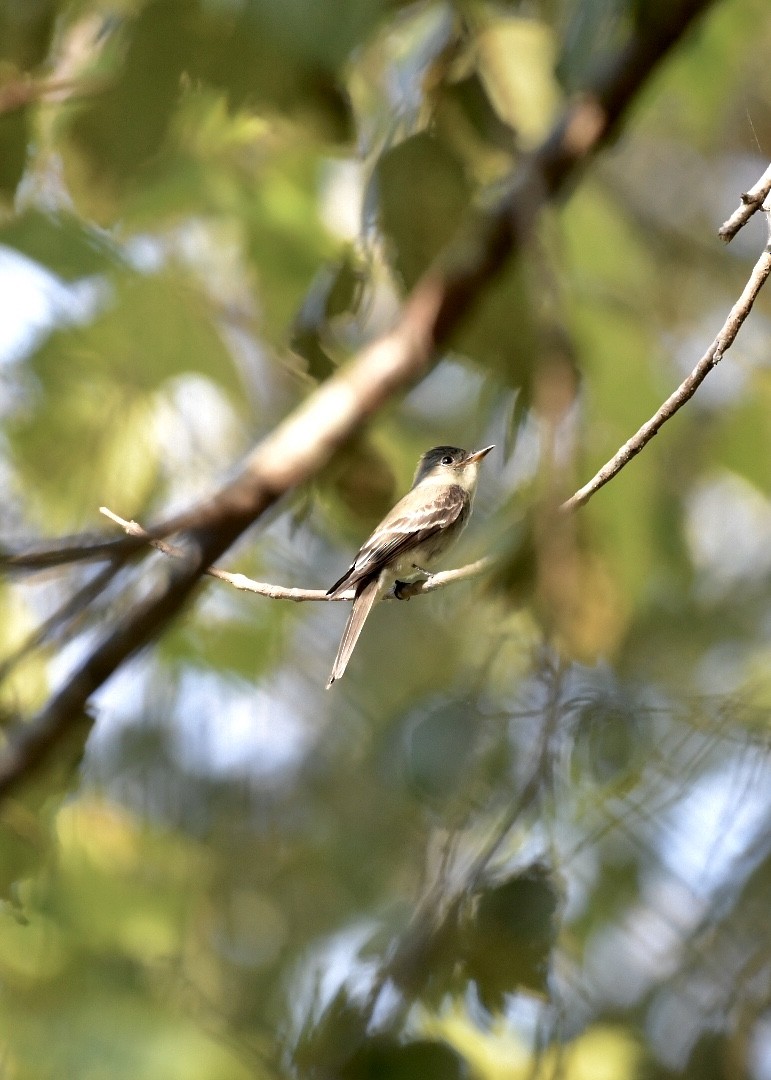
(446, 460)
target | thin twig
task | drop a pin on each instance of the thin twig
(25, 90)
(281, 592)
(685, 390)
(68, 550)
(752, 201)
(65, 617)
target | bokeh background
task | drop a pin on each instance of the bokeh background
(528, 834)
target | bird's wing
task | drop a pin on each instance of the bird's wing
(402, 529)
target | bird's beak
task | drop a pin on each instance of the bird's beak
(478, 455)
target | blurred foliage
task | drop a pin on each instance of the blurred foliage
(422, 196)
(527, 835)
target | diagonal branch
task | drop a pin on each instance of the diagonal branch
(63, 619)
(26, 90)
(687, 387)
(68, 550)
(300, 446)
(752, 201)
(280, 592)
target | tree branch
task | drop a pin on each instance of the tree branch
(25, 90)
(280, 592)
(72, 609)
(752, 201)
(687, 387)
(68, 550)
(300, 446)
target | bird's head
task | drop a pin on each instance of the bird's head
(452, 464)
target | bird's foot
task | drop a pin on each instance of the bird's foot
(403, 590)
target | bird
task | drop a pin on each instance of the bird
(416, 532)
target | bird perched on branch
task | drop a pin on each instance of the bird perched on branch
(409, 539)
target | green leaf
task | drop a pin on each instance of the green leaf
(89, 434)
(159, 326)
(468, 100)
(607, 738)
(500, 333)
(25, 31)
(286, 241)
(118, 131)
(237, 50)
(14, 134)
(171, 44)
(63, 243)
(420, 1059)
(441, 738)
(423, 193)
(336, 290)
(507, 942)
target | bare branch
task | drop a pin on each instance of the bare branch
(752, 201)
(66, 550)
(305, 441)
(685, 390)
(63, 619)
(24, 91)
(280, 592)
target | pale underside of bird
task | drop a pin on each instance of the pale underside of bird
(410, 538)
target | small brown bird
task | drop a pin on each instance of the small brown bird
(420, 528)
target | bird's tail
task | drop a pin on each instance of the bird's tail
(360, 609)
